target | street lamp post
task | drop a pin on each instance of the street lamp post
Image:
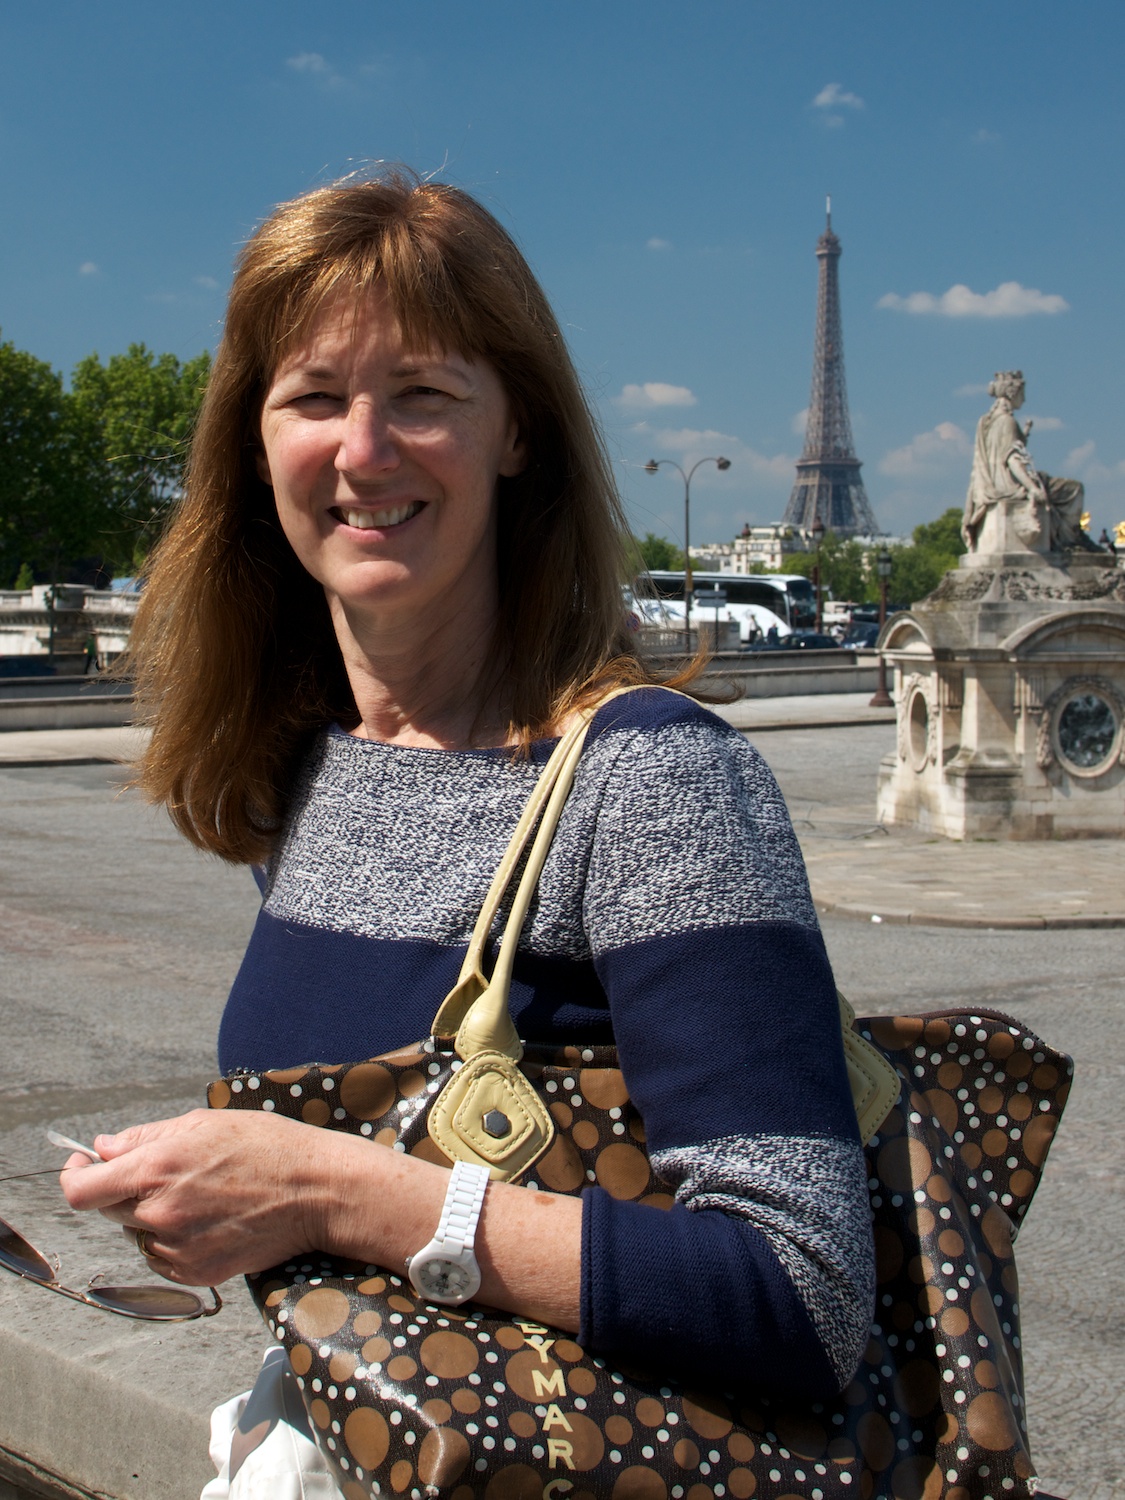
(883, 564)
(651, 468)
(818, 537)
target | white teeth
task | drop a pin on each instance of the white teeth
(369, 520)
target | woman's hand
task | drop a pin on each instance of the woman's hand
(224, 1193)
(220, 1194)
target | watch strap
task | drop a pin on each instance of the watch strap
(464, 1199)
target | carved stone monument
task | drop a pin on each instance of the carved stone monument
(1010, 676)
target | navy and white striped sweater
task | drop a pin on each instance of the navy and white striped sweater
(673, 916)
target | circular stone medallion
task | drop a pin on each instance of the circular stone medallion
(1086, 732)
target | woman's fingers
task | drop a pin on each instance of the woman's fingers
(150, 1159)
(75, 1162)
(156, 1254)
(104, 1184)
(124, 1213)
(178, 1127)
(219, 1193)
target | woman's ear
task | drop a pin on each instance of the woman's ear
(514, 459)
(262, 464)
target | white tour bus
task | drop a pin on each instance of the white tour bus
(785, 601)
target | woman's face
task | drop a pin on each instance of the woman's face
(383, 461)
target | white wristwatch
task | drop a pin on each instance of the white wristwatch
(446, 1269)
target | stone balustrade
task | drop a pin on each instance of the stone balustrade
(27, 619)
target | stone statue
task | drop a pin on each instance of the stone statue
(1011, 507)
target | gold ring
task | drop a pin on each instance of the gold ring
(141, 1237)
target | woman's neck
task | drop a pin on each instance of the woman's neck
(429, 683)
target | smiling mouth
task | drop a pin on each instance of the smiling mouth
(377, 520)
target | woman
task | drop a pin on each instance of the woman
(395, 578)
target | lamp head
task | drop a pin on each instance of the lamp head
(652, 466)
(722, 463)
(884, 563)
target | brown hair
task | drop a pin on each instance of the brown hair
(233, 654)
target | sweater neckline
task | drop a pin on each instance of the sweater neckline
(540, 749)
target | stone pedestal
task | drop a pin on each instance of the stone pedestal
(1009, 682)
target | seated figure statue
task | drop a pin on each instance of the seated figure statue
(1011, 505)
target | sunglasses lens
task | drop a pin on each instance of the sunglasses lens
(155, 1302)
(19, 1256)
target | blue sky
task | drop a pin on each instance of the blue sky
(664, 166)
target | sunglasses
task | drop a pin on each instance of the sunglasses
(155, 1304)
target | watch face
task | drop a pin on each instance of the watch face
(444, 1280)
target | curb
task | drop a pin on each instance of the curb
(27, 1481)
(41, 762)
(944, 919)
(812, 723)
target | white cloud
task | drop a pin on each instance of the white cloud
(929, 453)
(1044, 424)
(985, 137)
(1082, 463)
(832, 96)
(313, 65)
(87, 268)
(308, 62)
(208, 283)
(652, 394)
(658, 244)
(972, 390)
(800, 422)
(1008, 300)
(1079, 458)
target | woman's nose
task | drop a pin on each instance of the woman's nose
(367, 445)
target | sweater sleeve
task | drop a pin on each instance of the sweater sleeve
(724, 1010)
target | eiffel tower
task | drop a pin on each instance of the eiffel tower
(828, 484)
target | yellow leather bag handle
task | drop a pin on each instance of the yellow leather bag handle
(476, 1011)
(543, 809)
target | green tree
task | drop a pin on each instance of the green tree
(916, 571)
(50, 500)
(844, 568)
(656, 554)
(943, 535)
(144, 406)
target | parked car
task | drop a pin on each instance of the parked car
(798, 640)
(863, 635)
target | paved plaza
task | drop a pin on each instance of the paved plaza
(118, 945)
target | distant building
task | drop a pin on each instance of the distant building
(755, 549)
(758, 548)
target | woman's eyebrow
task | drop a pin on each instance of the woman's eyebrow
(428, 367)
(307, 372)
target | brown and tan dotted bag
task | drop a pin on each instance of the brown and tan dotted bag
(406, 1398)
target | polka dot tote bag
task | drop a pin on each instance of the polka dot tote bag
(418, 1400)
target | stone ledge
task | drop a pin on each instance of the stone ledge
(104, 1408)
(102, 711)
